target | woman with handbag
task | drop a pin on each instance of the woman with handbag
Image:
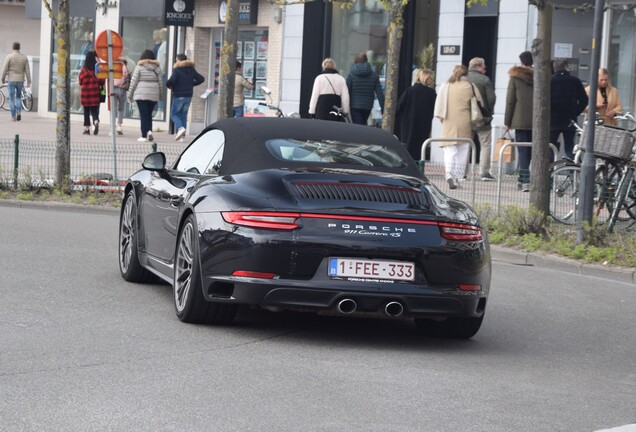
(453, 109)
(90, 87)
(330, 89)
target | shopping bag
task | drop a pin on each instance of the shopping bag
(508, 154)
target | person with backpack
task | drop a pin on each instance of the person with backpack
(121, 90)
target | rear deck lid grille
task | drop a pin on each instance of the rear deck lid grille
(358, 192)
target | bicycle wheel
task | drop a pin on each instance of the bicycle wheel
(4, 105)
(624, 186)
(564, 193)
(628, 207)
(27, 99)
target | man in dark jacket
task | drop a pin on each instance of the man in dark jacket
(568, 99)
(363, 83)
(518, 115)
(184, 77)
(477, 75)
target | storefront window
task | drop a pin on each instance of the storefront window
(622, 57)
(82, 36)
(361, 29)
(140, 34)
(253, 52)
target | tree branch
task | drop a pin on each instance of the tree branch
(47, 5)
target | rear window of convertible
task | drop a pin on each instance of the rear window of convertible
(335, 152)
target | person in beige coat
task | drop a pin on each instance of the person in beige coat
(608, 103)
(452, 108)
(15, 71)
(240, 85)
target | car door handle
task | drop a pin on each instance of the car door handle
(176, 201)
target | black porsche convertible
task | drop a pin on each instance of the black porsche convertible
(304, 215)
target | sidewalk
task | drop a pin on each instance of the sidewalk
(35, 128)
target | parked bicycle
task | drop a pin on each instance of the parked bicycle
(613, 151)
(276, 108)
(26, 98)
(342, 116)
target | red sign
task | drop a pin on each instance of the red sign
(102, 70)
(101, 45)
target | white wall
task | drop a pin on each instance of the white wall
(291, 59)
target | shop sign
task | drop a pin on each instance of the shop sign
(248, 11)
(449, 50)
(179, 13)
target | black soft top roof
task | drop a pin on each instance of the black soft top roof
(245, 137)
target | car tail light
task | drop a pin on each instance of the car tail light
(460, 232)
(270, 220)
(251, 274)
(469, 287)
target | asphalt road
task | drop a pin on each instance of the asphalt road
(81, 349)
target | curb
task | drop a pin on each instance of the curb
(512, 256)
(67, 207)
(498, 253)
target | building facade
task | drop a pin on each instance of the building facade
(283, 46)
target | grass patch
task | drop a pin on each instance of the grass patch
(526, 230)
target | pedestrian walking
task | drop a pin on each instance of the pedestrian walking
(452, 108)
(608, 102)
(518, 114)
(15, 73)
(567, 101)
(363, 85)
(329, 90)
(477, 76)
(183, 79)
(90, 88)
(121, 86)
(240, 85)
(414, 113)
(146, 86)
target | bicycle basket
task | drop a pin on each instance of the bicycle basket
(613, 142)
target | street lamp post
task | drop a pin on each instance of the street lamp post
(586, 188)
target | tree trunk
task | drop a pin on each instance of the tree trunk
(228, 62)
(395, 10)
(540, 166)
(63, 89)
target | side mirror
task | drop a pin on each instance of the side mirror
(266, 90)
(155, 162)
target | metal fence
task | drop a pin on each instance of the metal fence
(33, 162)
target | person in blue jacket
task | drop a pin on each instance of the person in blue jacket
(183, 79)
(364, 85)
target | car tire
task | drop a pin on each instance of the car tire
(190, 305)
(451, 328)
(129, 266)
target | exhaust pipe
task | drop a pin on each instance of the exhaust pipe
(394, 309)
(347, 306)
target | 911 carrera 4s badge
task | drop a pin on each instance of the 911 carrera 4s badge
(372, 230)
(367, 270)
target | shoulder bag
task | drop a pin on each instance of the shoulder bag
(476, 115)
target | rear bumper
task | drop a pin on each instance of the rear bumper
(416, 301)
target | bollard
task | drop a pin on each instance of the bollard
(16, 160)
(154, 147)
